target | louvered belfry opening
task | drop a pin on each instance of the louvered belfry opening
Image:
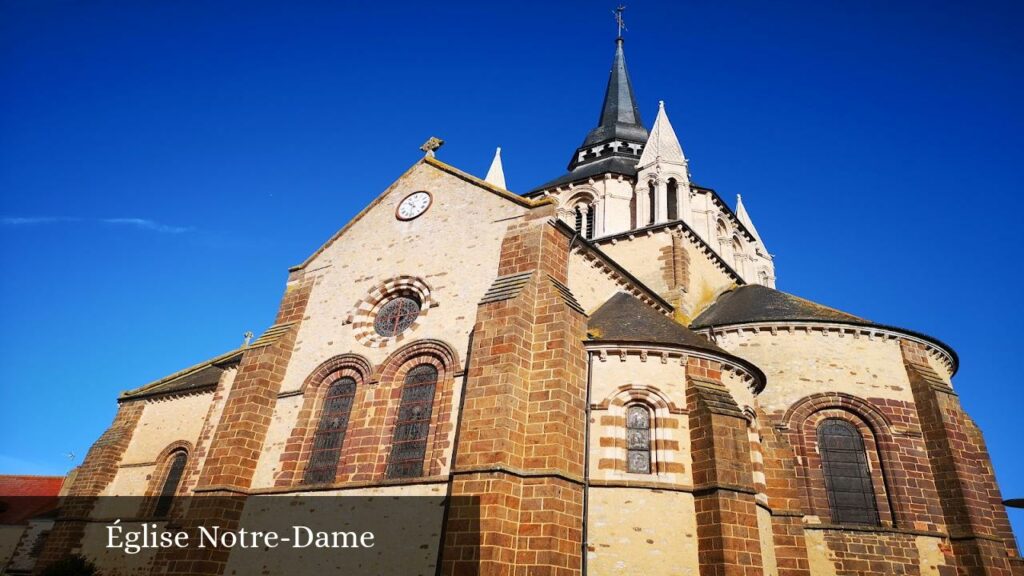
(409, 442)
(330, 432)
(170, 487)
(851, 496)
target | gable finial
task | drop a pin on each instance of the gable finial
(619, 21)
(496, 173)
(431, 145)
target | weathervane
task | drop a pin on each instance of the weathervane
(618, 19)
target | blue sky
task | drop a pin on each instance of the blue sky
(163, 163)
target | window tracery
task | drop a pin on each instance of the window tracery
(409, 440)
(851, 496)
(330, 433)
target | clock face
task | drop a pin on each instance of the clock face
(413, 205)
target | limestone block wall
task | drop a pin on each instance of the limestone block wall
(673, 263)
(630, 528)
(449, 256)
(804, 360)
(164, 421)
(609, 196)
(621, 377)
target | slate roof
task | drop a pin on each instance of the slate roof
(620, 116)
(623, 318)
(612, 164)
(756, 303)
(203, 375)
(619, 122)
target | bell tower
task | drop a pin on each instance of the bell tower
(596, 195)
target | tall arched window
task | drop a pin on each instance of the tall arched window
(409, 441)
(175, 471)
(652, 201)
(638, 439)
(673, 199)
(851, 496)
(330, 432)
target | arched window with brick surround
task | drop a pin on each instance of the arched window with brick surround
(844, 463)
(175, 470)
(638, 439)
(330, 432)
(409, 440)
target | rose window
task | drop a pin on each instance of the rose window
(396, 316)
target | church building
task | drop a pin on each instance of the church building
(603, 363)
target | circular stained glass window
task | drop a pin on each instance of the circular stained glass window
(396, 316)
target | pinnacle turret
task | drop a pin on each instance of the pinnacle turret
(663, 145)
(496, 173)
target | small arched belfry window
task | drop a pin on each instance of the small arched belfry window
(409, 441)
(330, 432)
(652, 202)
(584, 214)
(638, 439)
(175, 471)
(851, 496)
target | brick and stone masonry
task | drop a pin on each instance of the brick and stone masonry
(520, 448)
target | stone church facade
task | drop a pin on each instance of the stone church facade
(604, 362)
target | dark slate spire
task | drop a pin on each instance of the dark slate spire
(615, 145)
(620, 117)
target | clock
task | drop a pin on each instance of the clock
(413, 205)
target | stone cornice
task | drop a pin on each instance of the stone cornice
(750, 374)
(945, 355)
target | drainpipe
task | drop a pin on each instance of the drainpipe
(586, 463)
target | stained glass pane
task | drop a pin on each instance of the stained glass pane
(170, 487)
(638, 440)
(639, 462)
(638, 417)
(396, 316)
(330, 432)
(409, 440)
(851, 495)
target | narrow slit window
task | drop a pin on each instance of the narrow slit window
(590, 222)
(330, 432)
(638, 440)
(851, 496)
(167, 492)
(673, 200)
(409, 441)
(652, 202)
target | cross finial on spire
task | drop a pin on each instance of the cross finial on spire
(618, 19)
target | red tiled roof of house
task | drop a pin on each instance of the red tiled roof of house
(23, 496)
